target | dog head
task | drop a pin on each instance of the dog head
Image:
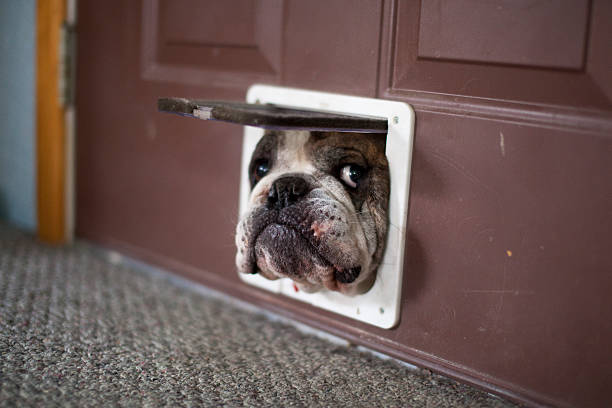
(317, 211)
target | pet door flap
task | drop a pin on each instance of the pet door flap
(270, 116)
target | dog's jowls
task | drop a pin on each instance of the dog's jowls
(317, 211)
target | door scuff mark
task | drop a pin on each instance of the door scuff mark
(502, 145)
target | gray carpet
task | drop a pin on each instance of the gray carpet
(76, 330)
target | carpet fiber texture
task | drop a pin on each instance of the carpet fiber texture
(76, 330)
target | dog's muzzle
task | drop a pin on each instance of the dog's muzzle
(291, 233)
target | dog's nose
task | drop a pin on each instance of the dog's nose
(286, 191)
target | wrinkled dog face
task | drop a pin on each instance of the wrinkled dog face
(317, 212)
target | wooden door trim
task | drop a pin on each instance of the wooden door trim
(50, 123)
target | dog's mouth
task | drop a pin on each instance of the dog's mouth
(287, 247)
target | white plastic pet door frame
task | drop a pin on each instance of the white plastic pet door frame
(380, 306)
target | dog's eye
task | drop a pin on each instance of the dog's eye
(351, 174)
(262, 167)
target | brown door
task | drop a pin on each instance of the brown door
(508, 269)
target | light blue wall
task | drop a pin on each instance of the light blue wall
(17, 139)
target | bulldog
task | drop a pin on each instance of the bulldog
(317, 211)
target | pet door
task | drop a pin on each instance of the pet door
(272, 107)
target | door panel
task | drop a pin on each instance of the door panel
(332, 46)
(228, 44)
(507, 269)
(524, 32)
(484, 51)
